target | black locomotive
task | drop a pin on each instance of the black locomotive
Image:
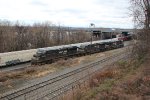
(51, 54)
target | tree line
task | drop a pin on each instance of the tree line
(17, 36)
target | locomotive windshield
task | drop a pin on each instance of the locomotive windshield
(40, 52)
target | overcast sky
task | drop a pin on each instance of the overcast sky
(74, 13)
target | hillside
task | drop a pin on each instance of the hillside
(124, 80)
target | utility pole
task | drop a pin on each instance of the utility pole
(91, 26)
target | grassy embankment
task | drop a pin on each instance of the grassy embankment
(125, 80)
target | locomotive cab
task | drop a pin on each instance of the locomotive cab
(40, 53)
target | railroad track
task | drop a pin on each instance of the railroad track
(15, 67)
(55, 86)
(63, 89)
(26, 64)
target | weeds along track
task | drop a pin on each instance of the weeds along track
(53, 87)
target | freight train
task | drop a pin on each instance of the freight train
(52, 54)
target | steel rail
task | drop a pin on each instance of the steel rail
(29, 89)
(67, 87)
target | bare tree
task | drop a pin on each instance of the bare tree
(141, 13)
(18, 36)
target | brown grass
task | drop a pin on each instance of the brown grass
(101, 76)
(122, 81)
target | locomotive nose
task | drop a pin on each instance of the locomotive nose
(35, 58)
